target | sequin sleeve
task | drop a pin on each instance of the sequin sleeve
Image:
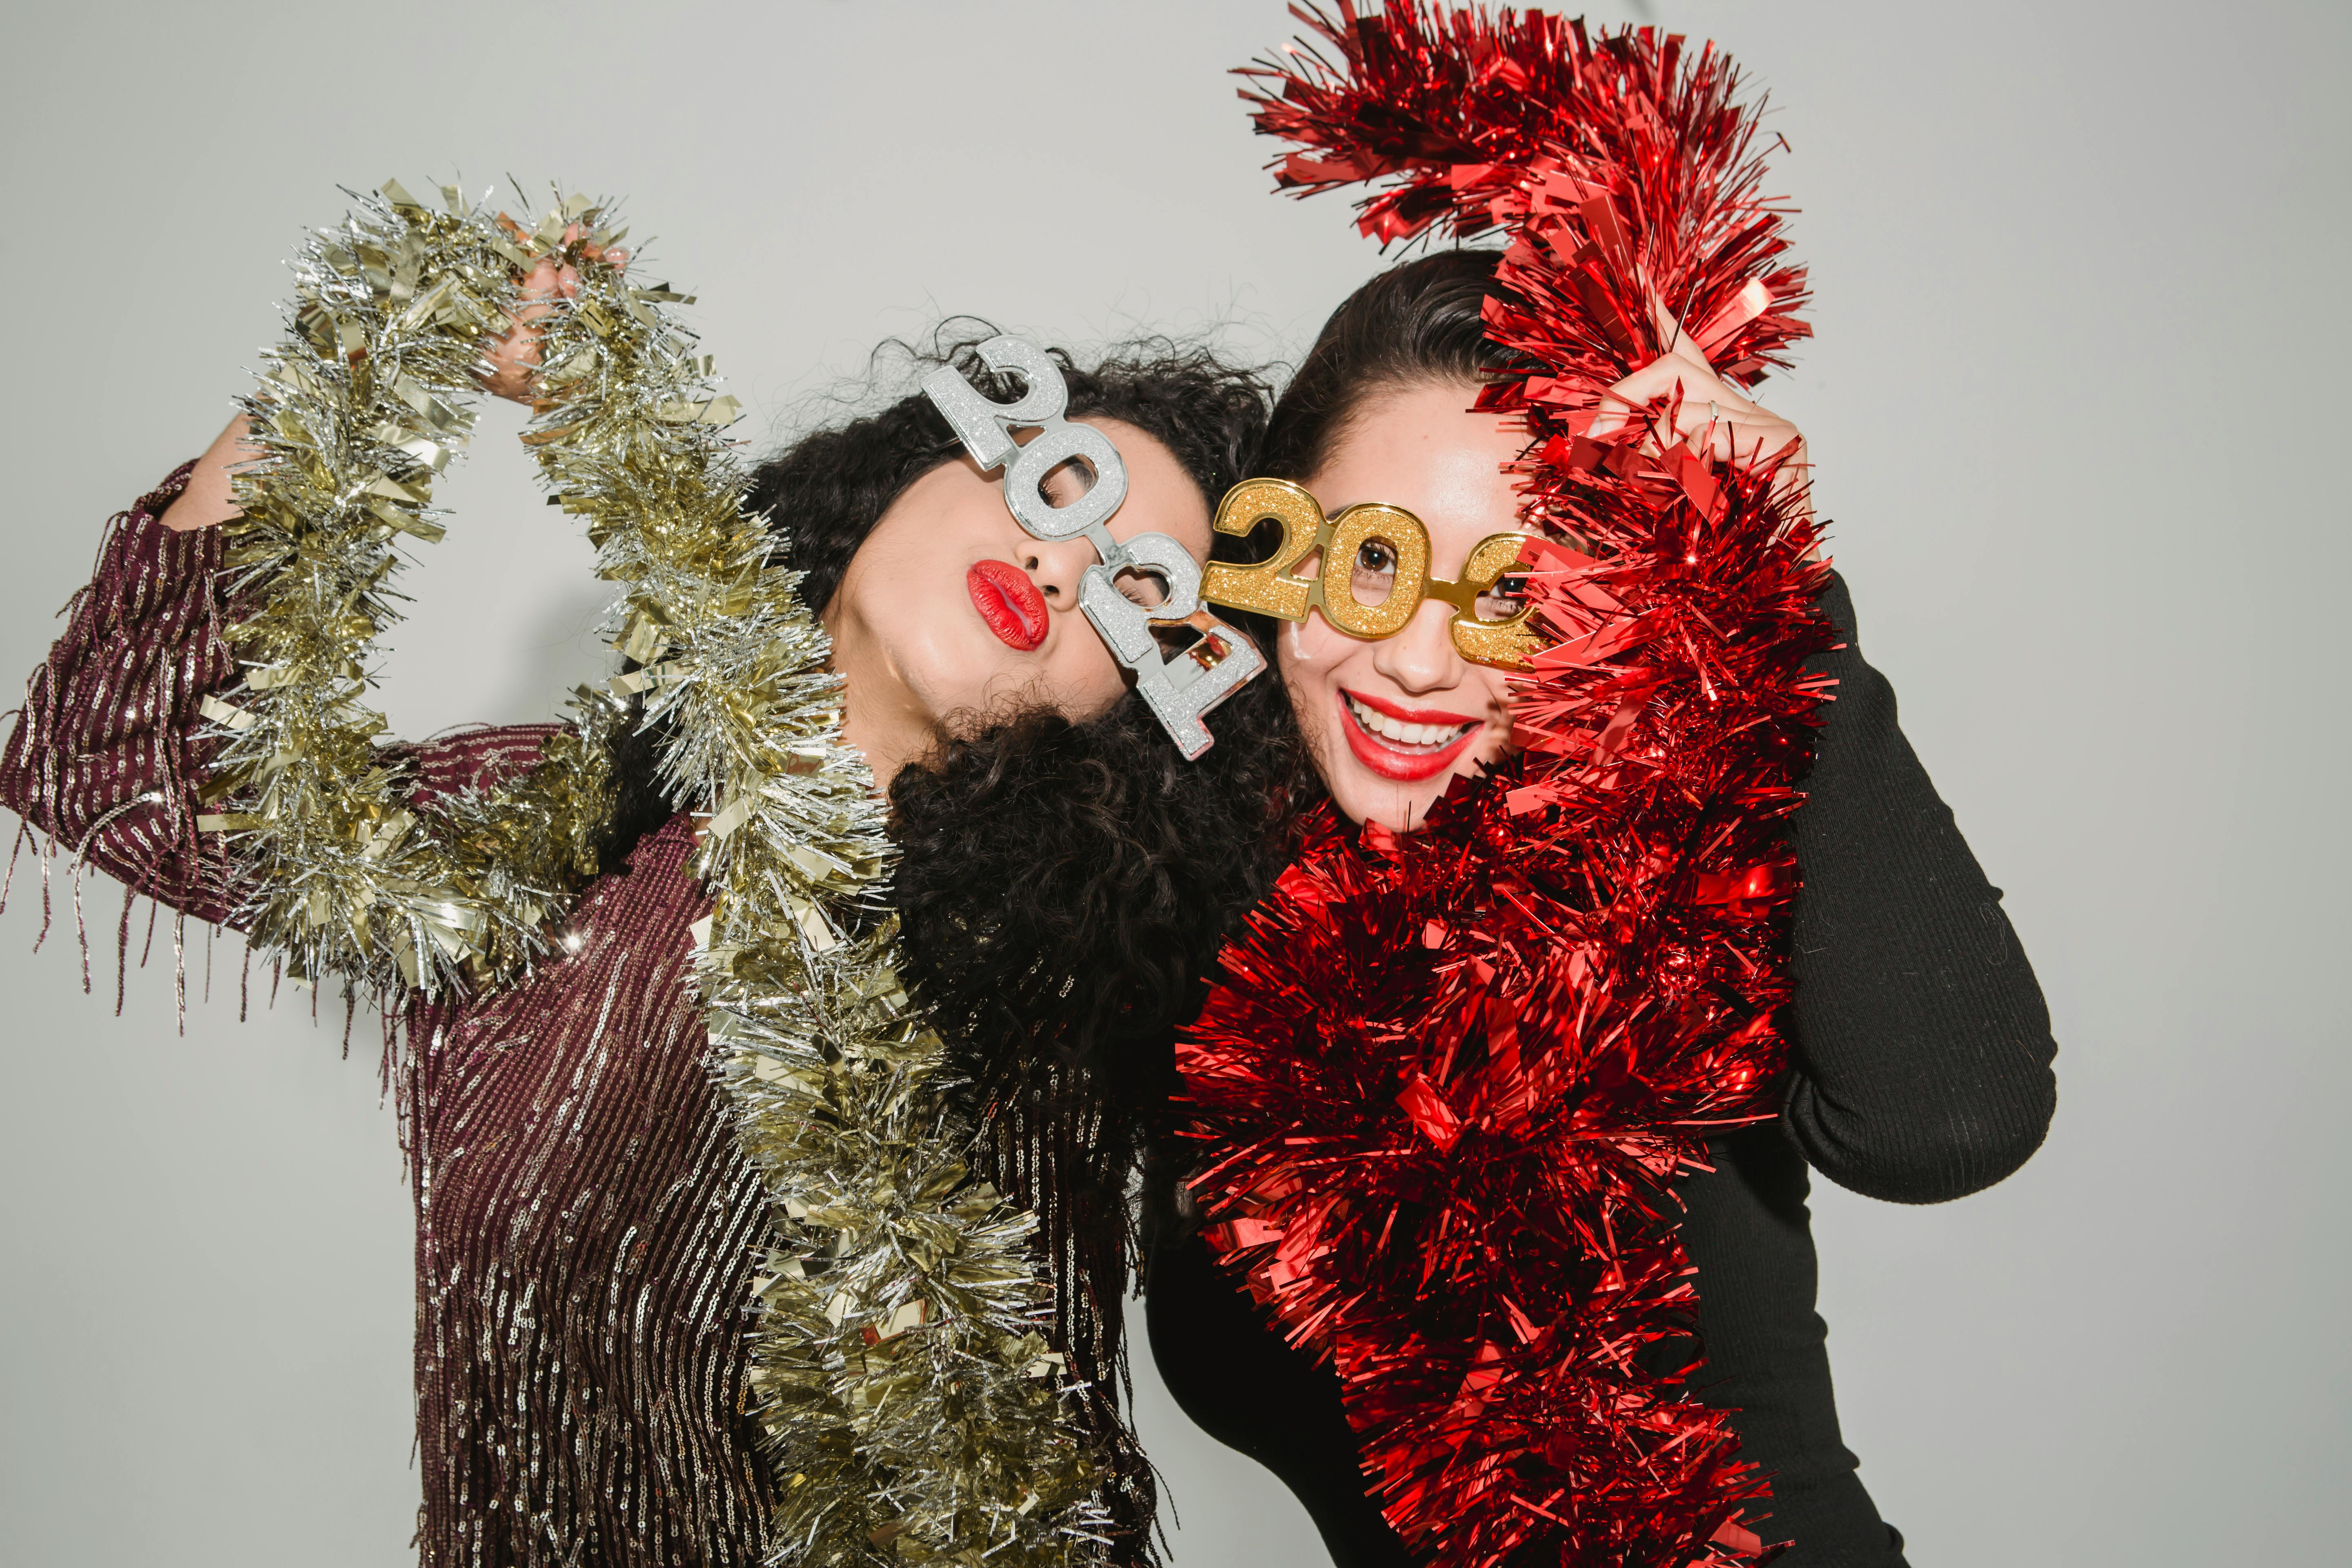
(107, 753)
(107, 756)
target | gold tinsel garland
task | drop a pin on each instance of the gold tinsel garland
(910, 1404)
(358, 409)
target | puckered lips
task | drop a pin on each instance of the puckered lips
(1399, 743)
(1009, 603)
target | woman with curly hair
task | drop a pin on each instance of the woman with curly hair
(587, 1227)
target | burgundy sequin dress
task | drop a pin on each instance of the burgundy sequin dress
(586, 1224)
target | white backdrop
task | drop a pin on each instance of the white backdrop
(2081, 315)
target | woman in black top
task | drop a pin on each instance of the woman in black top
(1921, 1051)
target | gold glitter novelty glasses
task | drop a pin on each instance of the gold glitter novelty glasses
(1269, 588)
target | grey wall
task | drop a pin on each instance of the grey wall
(2082, 315)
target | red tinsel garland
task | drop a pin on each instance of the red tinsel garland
(1447, 1079)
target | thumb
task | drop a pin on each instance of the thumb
(1675, 336)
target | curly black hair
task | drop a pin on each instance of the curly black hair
(1065, 889)
(823, 494)
(1062, 886)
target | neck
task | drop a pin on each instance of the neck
(884, 747)
(880, 713)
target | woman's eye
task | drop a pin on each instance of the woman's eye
(1143, 589)
(1502, 601)
(1068, 484)
(1375, 556)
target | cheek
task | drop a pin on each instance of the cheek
(1086, 680)
(1317, 659)
(911, 641)
(1496, 686)
(1312, 653)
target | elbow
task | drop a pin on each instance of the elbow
(1938, 1151)
(1968, 1155)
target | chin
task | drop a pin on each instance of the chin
(1397, 807)
(1375, 778)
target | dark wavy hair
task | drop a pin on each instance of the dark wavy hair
(1420, 322)
(1063, 885)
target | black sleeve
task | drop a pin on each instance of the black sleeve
(1749, 1236)
(1247, 1388)
(1920, 1068)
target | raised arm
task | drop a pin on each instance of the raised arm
(107, 757)
(204, 500)
(1922, 1047)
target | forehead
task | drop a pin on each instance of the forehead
(1161, 495)
(1423, 449)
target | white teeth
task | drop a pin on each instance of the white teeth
(1403, 733)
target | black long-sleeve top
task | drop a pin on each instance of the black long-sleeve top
(1920, 1071)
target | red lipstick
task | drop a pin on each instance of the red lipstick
(1009, 603)
(1386, 757)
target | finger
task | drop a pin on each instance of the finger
(1629, 401)
(1664, 377)
(524, 332)
(515, 352)
(1655, 380)
(1796, 468)
(511, 361)
(1701, 375)
(1794, 486)
(1677, 339)
(1704, 381)
(538, 287)
(1746, 445)
(1669, 416)
(1706, 426)
(567, 282)
(1681, 345)
(1666, 372)
(1614, 414)
(1743, 443)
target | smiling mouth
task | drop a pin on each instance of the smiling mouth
(1403, 745)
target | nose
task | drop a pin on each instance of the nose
(1056, 567)
(1422, 657)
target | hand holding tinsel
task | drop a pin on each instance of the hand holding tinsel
(511, 364)
(1678, 399)
(359, 410)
